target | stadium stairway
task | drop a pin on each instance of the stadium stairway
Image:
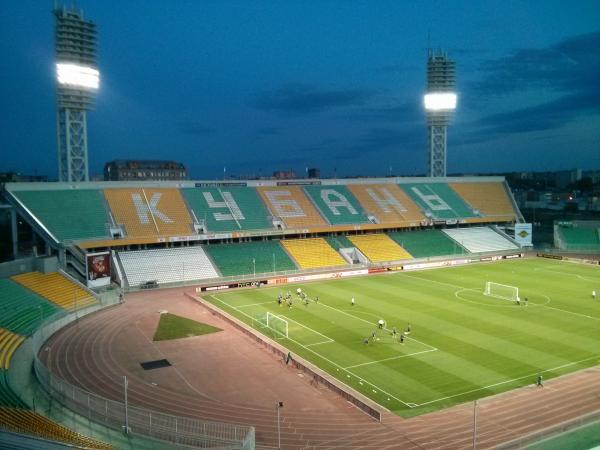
(290, 204)
(57, 288)
(480, 239)
(68, 214)
(490, 199)
(313, 253)
(379, 247)
(150, 212)
(339, 241)
(388, 203)
(427, 243)
(336, 204)
(246, 258)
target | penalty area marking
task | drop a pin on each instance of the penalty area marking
(326, 359)
(254, 304)
(460, 297)
(392, 358)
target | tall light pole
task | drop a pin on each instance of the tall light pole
(440, 103)
(278, 406)
(77, 81)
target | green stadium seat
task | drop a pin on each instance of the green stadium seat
(228, 209)
(438, 200)
(427, 243)
(336, 204)
(580, 238)
(338, 242)
(69, 214)
(21, 311)
(241, 259)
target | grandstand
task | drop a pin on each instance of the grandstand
(313, 253)
(248, 258)
(57, 288)
(166, 265)
(388, 204)
(489, 199)
(9, 342)
(480, 239)
(427, 243)
(438, 201)
(379, 247)
(336, 204)
(577, 235)
(291, 205)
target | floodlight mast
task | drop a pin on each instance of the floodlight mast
(440, 102)
(77, 81)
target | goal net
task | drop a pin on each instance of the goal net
(502, 291)
(278, 324)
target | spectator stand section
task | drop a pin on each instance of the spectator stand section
(427, 243)
(227, 209)
(250, 258)
(480, 239)
(439, 202)
(337, 205)
(577, 235)
(490, 199)
(388, 204)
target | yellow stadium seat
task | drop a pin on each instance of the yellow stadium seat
(150, 212)
(290, 204)
(491, 199)
(9, 342)
(29, 422)
(379, 247)
(56, 288)
(313, 253)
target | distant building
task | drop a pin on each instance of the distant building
(313, 172)
(139, 170)
(284, 174)
(14, 177)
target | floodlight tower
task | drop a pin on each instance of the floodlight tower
(440, 103)
(77, 80)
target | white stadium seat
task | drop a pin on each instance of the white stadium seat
(480, 239)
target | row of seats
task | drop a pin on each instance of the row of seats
(21, 420)
(427, 243)
(480, 239)
(167, 265)
(379, 247)
(9, 342)
(580, 238)
(57, 288)
(250, 257)
(21, 311)
(313, 253)
(88, 214)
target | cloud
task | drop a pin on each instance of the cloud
(405, 111)
(379, 139)
(304, 99)
(572, 64)
(195, 129)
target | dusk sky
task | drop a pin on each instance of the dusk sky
(261, 86)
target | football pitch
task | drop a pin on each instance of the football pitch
(462, 344)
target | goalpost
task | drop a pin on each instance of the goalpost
(277, 324)
(502, 291)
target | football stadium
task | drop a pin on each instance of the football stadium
(355, 313)
(169, 305)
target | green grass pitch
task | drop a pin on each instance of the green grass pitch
(463, 345)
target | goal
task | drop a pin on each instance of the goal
(277, 324)
(502, 291)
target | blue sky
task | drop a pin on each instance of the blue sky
(262, 86)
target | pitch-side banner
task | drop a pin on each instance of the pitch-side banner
(98, 269)
(523, 233)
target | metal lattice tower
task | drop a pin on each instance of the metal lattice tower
(77, 83)
(440, 103)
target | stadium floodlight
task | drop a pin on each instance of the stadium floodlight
(440, 101)
(77, 76)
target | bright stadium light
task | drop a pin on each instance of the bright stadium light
(440, 101)
(74, 75)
